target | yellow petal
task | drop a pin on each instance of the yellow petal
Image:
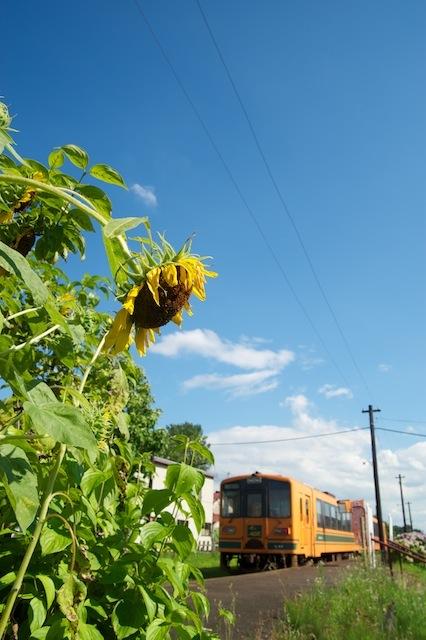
(210, 274)
(117, 338)
(199, 293)
(153, 279)
(129, 303)
(170, 275)
(185, 275)
(143, 339)
(188, 309)
(177, 318)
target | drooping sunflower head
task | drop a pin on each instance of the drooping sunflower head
(161, 291)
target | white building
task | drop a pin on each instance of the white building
(157, 481)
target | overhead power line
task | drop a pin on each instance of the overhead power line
(238, 189)
(313, 436)
(405, 433)
(405, 420)
(282, 200)
(307, 437)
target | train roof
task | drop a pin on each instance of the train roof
(277, 476)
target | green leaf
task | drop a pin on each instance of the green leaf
(118, 226)
(91, 479)
(128, 615)
(152, 532)
(201, 603)
(20, 484)
(183, 540)
(88, 632)
(197, 510)
(36, 614)
(117, 257)
(39, 392)
(107, 174)
(202, 450)
(13, 262)
(62, 422)
(7, 579)
(56, 158)
(49, 588)
(41, 634)
(98, 199)
(76, 155)
(157, 630)
(83, 219)
(150, 603)
(182, 478)
(72, 592)
(52, 540)
(155, 500)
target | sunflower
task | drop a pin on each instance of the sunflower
(160, 294)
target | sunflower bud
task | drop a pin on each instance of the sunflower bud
(5, 118)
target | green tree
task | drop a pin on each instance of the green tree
(175, 445)
(142, 415)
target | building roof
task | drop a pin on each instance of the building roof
(164, 462)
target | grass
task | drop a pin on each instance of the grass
(209, 563)
(367, 604)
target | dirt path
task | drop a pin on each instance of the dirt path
(257, 598)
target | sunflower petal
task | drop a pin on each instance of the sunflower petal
(188, 309)
(153, 280)
(117, 338)
(143, 339)
(129, 303)
(177, 318)
(170, 275)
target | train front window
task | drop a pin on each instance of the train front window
(279, 499)
(231, 500)
(254, 505)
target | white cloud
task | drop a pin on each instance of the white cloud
(331, 391)
(242, 384)
(384, 368)
(307, 358)
(334, 463)
(207, 344)
(145, 193)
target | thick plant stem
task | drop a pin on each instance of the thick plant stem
(91, 363)
(4, 621)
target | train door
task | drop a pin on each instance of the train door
(307, 525)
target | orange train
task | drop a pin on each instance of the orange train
(272, 521)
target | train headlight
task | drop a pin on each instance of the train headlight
(228, 530)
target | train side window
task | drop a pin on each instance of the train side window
(307, 509)
(279, 499)
(301, 509)
(333, 517)
(327, 518)
(319, 514)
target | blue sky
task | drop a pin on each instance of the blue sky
(337, 96)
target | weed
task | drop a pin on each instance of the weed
(368, 604)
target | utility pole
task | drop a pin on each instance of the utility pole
(371, 413)
(409, 513)
(400, 478)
